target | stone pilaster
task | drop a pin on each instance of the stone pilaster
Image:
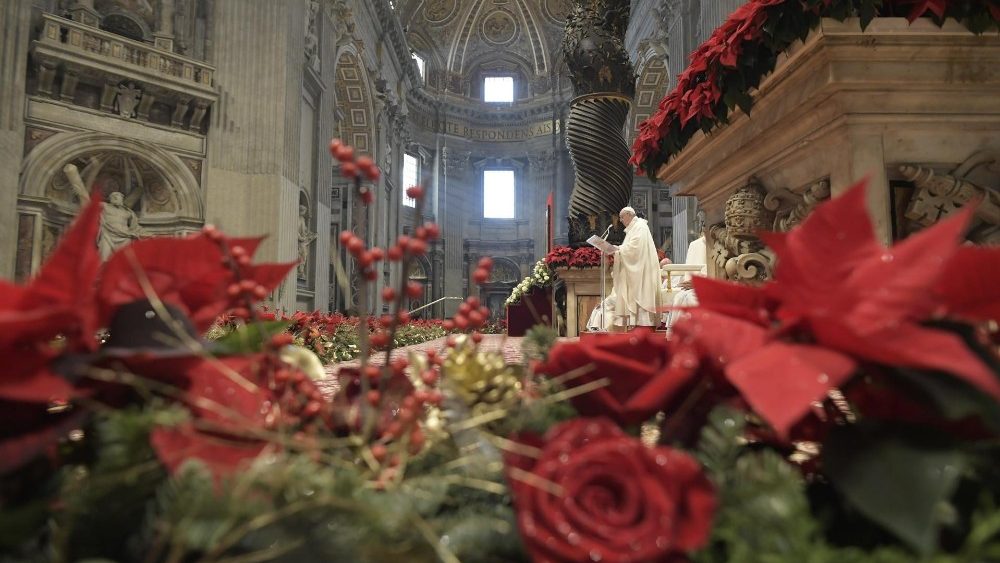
(15, 21)
(252, 184)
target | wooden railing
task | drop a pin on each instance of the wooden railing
(116, 49)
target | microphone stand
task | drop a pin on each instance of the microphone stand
(604, 278)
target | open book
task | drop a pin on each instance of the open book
(602, 245)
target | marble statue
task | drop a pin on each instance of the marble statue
(306, 237)
(119, 224)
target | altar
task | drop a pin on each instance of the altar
(583, 293)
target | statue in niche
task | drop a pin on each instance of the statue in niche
(119, 224)
(128, 99)
(306, 237)
(312, 36)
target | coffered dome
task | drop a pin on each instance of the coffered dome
(462, 39)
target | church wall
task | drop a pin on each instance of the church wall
(14, 31)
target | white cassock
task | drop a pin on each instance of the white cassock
(594, 323)
(636, 275)
(697, 255)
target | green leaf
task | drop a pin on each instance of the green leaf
(952, 397)
(248, 338)
(899, 476)
(867, 12)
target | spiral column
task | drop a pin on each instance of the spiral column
(600, 154)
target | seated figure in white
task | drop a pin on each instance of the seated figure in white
(697, 255)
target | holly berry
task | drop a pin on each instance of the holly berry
(345, 237)
(480, 276)
(345, 154)
(335, 145)
(388, 294)
(415, 192)
(374, 397)
(486, 263)
(395, 254)
(349, 170)
(414, 290)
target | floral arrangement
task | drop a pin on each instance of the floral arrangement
(725, 69)
(333, 337)
(541, 276)
(568, 257)
(848, 412)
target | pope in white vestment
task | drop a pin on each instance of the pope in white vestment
(636, 274)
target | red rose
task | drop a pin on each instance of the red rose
(644, 374)
(609, 497)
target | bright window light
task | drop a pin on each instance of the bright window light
(411, 167)
(421, 65)
(498, 89)
(498, 194)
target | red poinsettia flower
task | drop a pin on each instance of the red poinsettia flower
(189, 273)
(868, 304)
(870, 301)
(229, 404)
(59, 299)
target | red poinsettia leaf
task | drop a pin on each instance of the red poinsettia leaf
(67, 278)
(36, 325)
(719, 338)
(10, 295)
(738, 300)
(841, 228)
(69, 272)
(970, 286)
(175, 446)
(895, 285)
(26, 378)
(249, 244)
(188, 273)
(224, 391)
(269, 275)
(781, 381)
(914, 346)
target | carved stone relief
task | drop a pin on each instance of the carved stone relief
(311, 49)
(499, 28)
(440, 11)
(940, 195)
(127, 99)
(736, 251)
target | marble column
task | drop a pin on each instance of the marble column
(15, 20)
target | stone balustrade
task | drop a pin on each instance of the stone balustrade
(115, 49)
(82, 53)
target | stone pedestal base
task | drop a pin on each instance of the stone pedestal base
(844, 105)
(583, 293)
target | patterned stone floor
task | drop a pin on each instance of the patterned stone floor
(508, 345)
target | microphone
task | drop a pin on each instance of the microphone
(608, 230)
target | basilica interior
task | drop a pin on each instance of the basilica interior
(794, 356)
(219, 112)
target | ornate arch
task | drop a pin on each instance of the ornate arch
(354, 101)
(651, 84)
(44, 165)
